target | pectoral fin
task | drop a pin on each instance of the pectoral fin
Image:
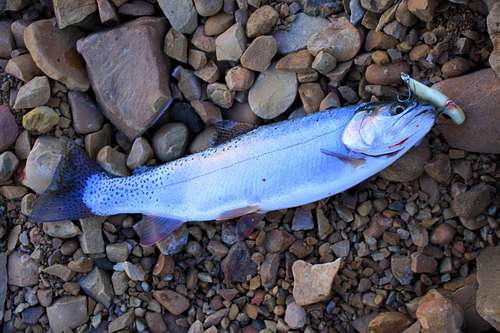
(354, 159)
(153, 229)
(229, 129)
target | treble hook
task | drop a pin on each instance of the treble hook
(411, 96)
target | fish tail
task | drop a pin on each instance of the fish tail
(64, 199)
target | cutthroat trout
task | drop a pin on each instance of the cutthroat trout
(281, 165)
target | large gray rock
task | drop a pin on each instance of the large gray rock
(67, 313)
(97, 284)
(23, 270)
(181, 14)
(131, 87)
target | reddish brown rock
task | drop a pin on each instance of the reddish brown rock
(389, 322)
(259, 53)
(239, 78)
(311, 95)
(478, 94)
(297, 62)
(237, 265)
(9, 131)
(456, 67)
(437, 313)
(22, 67)
(488, 293)
(377, 40)
(217, 24)
(175, 303)
(130, 103)
(262, 21)
(387, 74)
(423, 9)
(54, 52)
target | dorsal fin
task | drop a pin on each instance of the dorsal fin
(229, 129)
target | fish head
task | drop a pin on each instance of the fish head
(380, 129)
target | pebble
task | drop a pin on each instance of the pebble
(436, 313)
(207, 112)
(272, 93)
(176, 45)
(70, 12)
(231, 44)
(208, 7)
(173, 302)
(298, 32)
(239, 79)
(278, 240)
(91, 240)
(170, 141)
(220, 94)
(386, 74)
(341, 249)
(131, 105)
(439, 168)
(61, 229)
(97, 284)
(421, 263)
(488, 292)
(377, 40)
(260, 52)
(8, 165)
(378, 6)
(404, 16)
(22, 269)
(60, 271)
(455, 67)
(202, 41)
(86, 116)
(40, 120)
(188, 83)
(209, 72)
(341, 38)
(22, 67)
(423, 9)
(112, 161)
(122, 322)
(140, 153)
(117, 252)
(401, 269)
(295, 316)
(67, 312)
(156, 323)
(181, 14)
(331, 100)
(297, 62)
(269, 270)
(119, 280)
(197, 59)
(410, 166)
(261, 21)
(34, 93)
(137, 8)
(107, 12)
(237, 266)
(473, 202)
(389, 322)
(134, 272)
(313, 283)
(53, 50)
(6, 40)
(443, 234)
(302, 219)
(217, 24)
(324, 62)
(9, 128)
(32, 315)
(95, 141)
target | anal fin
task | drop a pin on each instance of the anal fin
(234, 213)
(152, 229)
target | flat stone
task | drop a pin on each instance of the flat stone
(91, 239)
(217, 24)
(69, 12)
(170, 141)
(60, 271)
(6, 39)
(87, 117)
(40, 120)
(23, 270)
(478, 94)
(132, 105)
(34, 93)
(302, 219)
(156, 323)
(237, 265)
(295, 316)
(173, 302)
(42, 163)
(176, 45)
(488, 292)
(61, 229)
(22, 67)
(122, 322)
(269, 270)
(259, 53)
(313, 283)
(473, 202)
(67, 312)
(97, 284)
(437, 313)
(54, 52)
(389, 322)
(296, 36)
(262, 21)
(134, 272)
(420, 263)
(120, 282)
(181, 14)
(231, 43)
(32, 315)
(140, 153)
(298, 62)
(239, 79)
(8, 165)
(342, 248)
(112, 161)
(273, 93)
(340, 38)
(9, 128)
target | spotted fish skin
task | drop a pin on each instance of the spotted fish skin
(276, 166)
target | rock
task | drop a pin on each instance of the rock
(389, 322)
(188, 115)
(410, 166)
(112, 161)
(97, 140)
(473, 202)
(423, 9)
(173, 302)
(269, 270)
(197, 59)
(208, 7)
(320, 7)
(386, 74)
(272, 93)
(61, 229)
(342, 248)
(22, 67)
(295, 316)
(131, 105)
(230, 44)
(54, 52)
(87, 117)
(311, 95)
(239, 79)
(298, 32)
(207, 112)
(67, 313)
(174, 242)
(140, 153)
(237, 265)
(302, 219)
(437, 313)
(439, 168)
(331, 100)
(34, 93)
(378, 6)
(278, 240)
(262, 21)
(40, 120)
(443, 234)
(487, 296)
(107, 12)
(91, 239)
(324, 62)
(122, 322)
(455, 67)
(176, 45)
(297, 62)
(42, 163)
(420, 263)
(134, 272)
(340, 38)
(208, 73)
(6, 40)
(478, 94)
(32, 315)
(22, 269)
(188, 83)
(23, 144)
(377, 40)
(259, 53)
(170, 141)
(220, 94)
(155, 322)
(9, 128)
(181, 14)
(137, 8)
(493, 25)
(202, 41)
(3, 283)
(69, 12)
(120, 282)
(8, 165)
(401, 269)
(60, 271)
(217, 24)
(313, 283)
(117, 252)
(404, 16)
(97, 284)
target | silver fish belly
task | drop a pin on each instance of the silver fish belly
(276, 166)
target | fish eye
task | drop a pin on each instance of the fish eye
(398, 109)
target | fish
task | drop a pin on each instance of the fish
(249, 171)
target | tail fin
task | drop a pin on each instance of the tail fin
(64, 199)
